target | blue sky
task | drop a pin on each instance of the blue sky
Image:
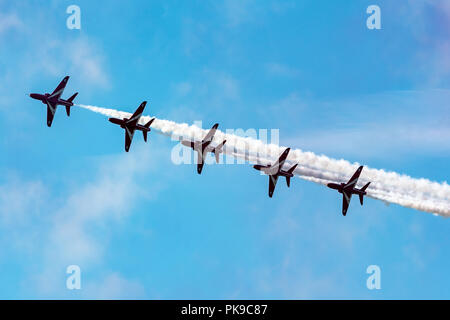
(141, 227)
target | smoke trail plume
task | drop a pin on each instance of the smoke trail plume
(390, 187)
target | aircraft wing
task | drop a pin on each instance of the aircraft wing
(211, 148)
(134, 119)
(60, 88)
(200, 162)
(210, 135)
(129, 133)
(51, 109)
(279, 163)
(354, 179)
(272, 183)
(346, 197)
(190, 144)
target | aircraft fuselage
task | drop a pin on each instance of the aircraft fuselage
(341, 187)
(204, 146)
(269, 171)
(44, 98)
(123, 124)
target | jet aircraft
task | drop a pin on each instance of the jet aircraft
(275, 170)
(348, 189)
(204, 146)
(132, 124)
(54, 99)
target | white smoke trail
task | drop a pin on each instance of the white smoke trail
(390, 187)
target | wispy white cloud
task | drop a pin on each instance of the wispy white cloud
(88, 62)
(107, 198)
(9, 21)
(397, 122)
(209, 91)
(38, 58)
(240, 12)
(227, 84)
(237, 12)
(74, 225)
(281, 70)
(18, 199)
(429, 23)
(193, 33)
(290, 237)
(80, 58)
(290, 107)
(23, 210)
(38, 51)
(114, 286)
(183, 88)
(374, 139)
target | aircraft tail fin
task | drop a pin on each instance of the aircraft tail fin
(148, 124)
(361, 196)
(72, 97)
(365, 187)
(288, 181)
(291, 170)
(70, 100)
(217, 150)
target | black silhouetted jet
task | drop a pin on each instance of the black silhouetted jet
(54, 99)
(204, 146)
(131, 124)
(275, 170)
(348, 189)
